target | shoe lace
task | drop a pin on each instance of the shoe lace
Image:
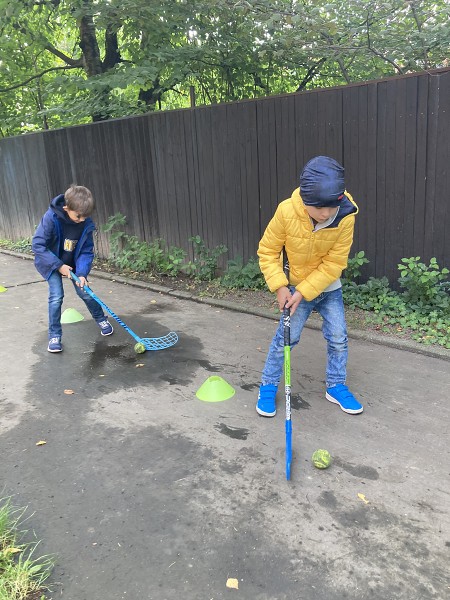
(54, 340)
(103, 324)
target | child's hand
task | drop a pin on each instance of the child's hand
(285, 298)
(82, 282)
(65, 270)
(295, 300)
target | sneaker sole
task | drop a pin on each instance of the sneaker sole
(349, 411)
(53, 351)
(105, 334)
(265, 414)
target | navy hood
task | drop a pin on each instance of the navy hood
(57, 207)
(322, 182)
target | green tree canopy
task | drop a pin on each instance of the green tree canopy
(66, 62)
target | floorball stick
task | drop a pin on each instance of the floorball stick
(287, 377)
(160, 343)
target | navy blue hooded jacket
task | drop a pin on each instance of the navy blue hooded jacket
(48, 242)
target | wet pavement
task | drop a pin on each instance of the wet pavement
(144, 492)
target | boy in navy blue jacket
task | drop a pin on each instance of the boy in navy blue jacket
(64, 242)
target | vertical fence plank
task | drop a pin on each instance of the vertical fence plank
(408, 183)
(440, 245)
(432, 152)
(267, 156)
(350, 118)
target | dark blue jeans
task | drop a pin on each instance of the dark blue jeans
(55, 300)
(331, 307)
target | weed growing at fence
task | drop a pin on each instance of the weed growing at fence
(205, 262)
(23, 245)
(422, 307)
(22, 574)
(129, 253)
(243, 276)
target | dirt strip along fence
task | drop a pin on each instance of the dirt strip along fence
(220, 171)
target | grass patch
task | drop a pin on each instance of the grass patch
(22, 572)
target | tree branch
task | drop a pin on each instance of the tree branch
(18, 85)
(419, 29)
(310, 75)
(73, 62)
(369, 47)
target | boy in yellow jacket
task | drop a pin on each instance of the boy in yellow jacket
(315, 227)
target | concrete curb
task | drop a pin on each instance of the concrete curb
(383, 340)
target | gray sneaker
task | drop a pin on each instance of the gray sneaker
(54, 344)
(105, 327)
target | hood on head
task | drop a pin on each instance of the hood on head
(322, 182)
(57, 206)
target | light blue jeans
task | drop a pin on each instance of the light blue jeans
(331, 307)
(55, 300)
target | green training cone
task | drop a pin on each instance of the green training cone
(215, 389)
(2, 289)
(70, 315)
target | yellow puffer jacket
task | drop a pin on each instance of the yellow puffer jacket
(316, 258)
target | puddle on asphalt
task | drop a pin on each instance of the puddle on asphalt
(360, 471)
(94, 365)
(298, 403)
(237, 433)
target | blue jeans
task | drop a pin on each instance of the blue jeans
(331, 307)
(55, 300)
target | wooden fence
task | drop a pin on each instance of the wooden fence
(219, 171)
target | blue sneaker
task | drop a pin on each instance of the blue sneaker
(266, 405)
(340, 394)
(54, 344)
(105, 327)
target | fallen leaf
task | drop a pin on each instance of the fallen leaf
(232, 583)
(41, 443)
(152, 301)
(363, 498)
(11, 550)
(69, 392)
(140, 365)
(101, 375)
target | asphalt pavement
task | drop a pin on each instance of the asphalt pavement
(144, 492)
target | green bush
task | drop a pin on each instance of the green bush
(425, 286)
(422, 308)
(129, 253)
(205, 264)
(23, 245)
(240, 276)
(354, 264)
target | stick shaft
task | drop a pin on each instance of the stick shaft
(88, 290)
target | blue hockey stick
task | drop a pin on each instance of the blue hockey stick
(287, 376)
(160, 343)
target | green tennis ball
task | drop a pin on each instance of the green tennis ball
(139, 348)
(321, 459)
